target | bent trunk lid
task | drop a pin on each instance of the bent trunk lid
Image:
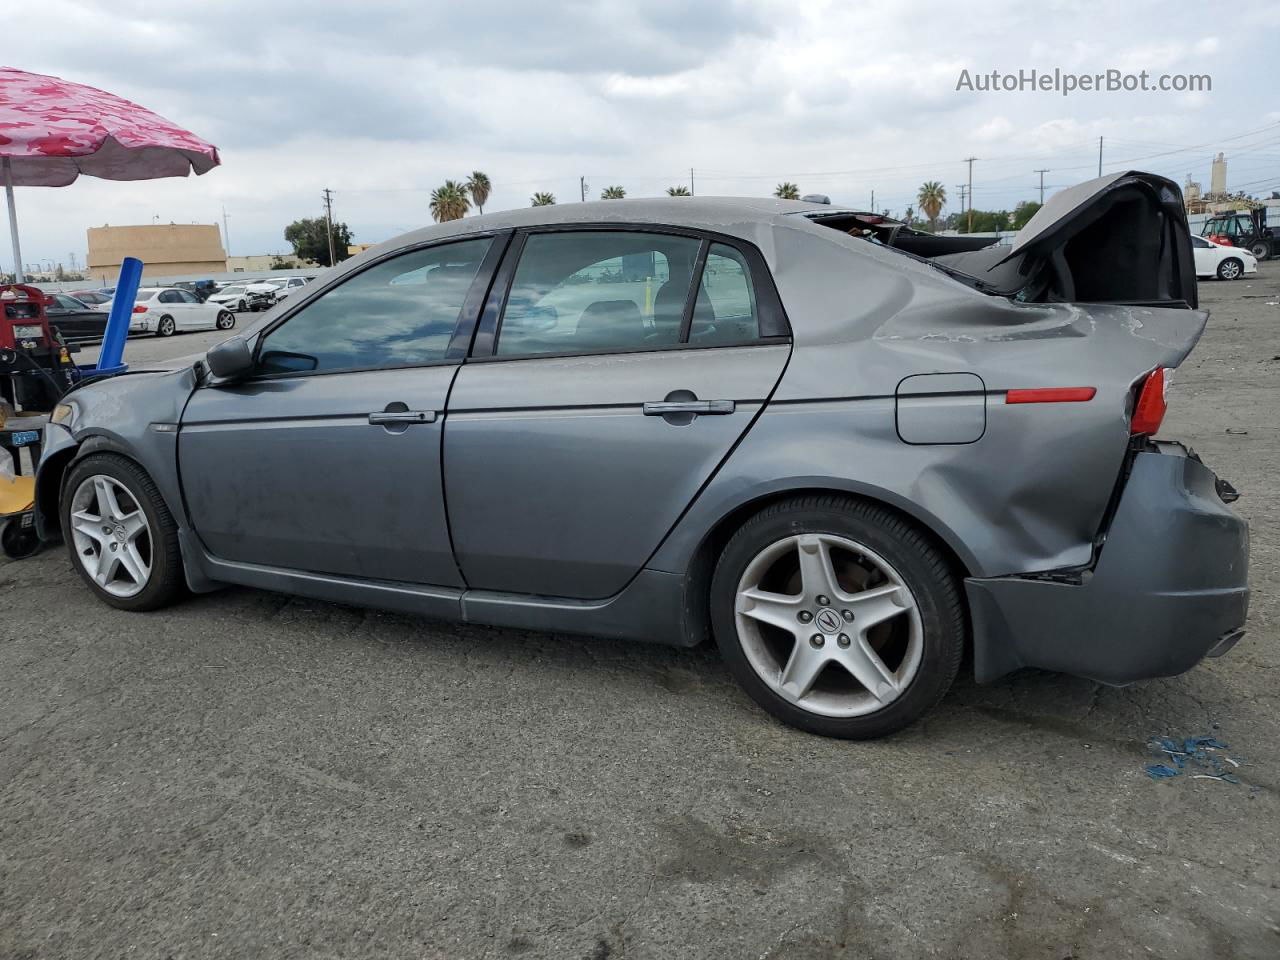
(1122, 238)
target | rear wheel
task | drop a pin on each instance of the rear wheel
(165, 327)
(122, 539)
(226, 320)
(1230, 268)
(837, 616)
(1260, 250)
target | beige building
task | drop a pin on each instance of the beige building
(166, 250)
(263, 262)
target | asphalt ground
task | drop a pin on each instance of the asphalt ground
(250, 775)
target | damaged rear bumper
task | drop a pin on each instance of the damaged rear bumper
(1170, 587)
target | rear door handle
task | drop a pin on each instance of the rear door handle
(404, 417)
(664, 408)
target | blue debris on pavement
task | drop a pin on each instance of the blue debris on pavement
(1200, 758)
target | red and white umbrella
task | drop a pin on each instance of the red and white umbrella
(52, 131)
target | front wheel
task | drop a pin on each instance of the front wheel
(838, 616)
(1230, 269)
(122, 539)
(165, 327)
(226, 320)
(1260, 250)
(241, 307)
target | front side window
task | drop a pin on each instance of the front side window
(595, 291)
(725, 310)
(400, 312)
(1197, 242)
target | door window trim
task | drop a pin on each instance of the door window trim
(472, 303)
(772, 319)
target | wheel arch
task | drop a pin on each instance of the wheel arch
(702, 560)
(53, 473)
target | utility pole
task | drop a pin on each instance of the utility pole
(691, 193)
(328, 218)
(1099, 156)
(873, 200)
(1042, 173)
(226, 232)
(969, 161)
(582, 188)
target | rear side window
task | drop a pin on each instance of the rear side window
(597, 291)
(725, 311)
(400, 312)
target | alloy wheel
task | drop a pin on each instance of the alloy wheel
(111, 535)
(225, 320)
(829, 625)
(1229, 270)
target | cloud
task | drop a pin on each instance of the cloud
(382, 100)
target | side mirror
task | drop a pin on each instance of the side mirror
(230, 359)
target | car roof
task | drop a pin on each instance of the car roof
(699, 213)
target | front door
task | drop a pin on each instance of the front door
(329, 459)
(606, 399)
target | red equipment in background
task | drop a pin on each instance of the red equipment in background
(35, 365)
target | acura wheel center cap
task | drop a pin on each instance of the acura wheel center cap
(828, 620)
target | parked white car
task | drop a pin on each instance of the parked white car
(279, 287)
(166, 310)
(1225, 263)
(235, 297)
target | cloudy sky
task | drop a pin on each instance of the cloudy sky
(382, 100)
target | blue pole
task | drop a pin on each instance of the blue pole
(112, 351)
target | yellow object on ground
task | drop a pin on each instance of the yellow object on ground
(17, 494)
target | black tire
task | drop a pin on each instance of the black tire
(241, 307)
(16, 541)
(1231, 268)
(226, 320)
(922, 567)
(1260, 249)
(166, 583)
(165, 327)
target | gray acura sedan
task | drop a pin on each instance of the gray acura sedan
(850, 452)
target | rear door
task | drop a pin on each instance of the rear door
(328, 460)
(601, 394)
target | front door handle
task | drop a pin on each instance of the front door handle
(402, 417)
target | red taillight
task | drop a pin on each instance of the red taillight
(1051, 395)
(139, 308)
(1148, 412)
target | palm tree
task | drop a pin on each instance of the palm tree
(479, 187)
(541, 199)
(678, 192)
(909, 216)
(932, 198)
(787, 191)
(450, 201)
(613, 193)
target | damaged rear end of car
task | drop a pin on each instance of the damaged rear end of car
(1110, 554)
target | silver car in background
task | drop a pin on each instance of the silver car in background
(847, 451)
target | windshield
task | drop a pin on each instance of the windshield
(231, 291)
